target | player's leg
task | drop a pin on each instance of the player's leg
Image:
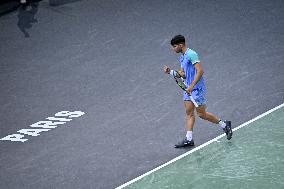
(201, 111)
(199, 97)
(226, 125)
(190, 117)
(190, 120)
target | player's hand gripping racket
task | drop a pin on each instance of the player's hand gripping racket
(180, 81)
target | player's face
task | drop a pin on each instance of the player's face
(177, 48)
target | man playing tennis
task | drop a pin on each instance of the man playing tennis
(192, 72)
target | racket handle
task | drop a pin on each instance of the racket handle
(193, 101)
(174, 73)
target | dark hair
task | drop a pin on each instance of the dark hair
(178, 39)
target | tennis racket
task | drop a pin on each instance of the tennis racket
(180, 81)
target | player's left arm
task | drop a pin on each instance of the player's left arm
(199, 73)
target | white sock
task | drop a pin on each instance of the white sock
(189, 135)
(222, 124)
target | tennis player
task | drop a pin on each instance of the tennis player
(192, 72)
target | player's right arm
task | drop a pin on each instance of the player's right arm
(179, 73)
(167, 70)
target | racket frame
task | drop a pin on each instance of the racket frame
(183, 87)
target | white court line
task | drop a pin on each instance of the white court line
(199, 147)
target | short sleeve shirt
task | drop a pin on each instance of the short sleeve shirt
(187, 61)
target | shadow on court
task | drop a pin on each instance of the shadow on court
(61, 2)
(27, 17)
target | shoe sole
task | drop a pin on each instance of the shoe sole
(230, 133)
(188, 145)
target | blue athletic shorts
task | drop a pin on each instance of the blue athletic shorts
(198, 95)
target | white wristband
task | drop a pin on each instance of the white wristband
(173, 73)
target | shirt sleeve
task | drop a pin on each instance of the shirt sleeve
(193, 57)
(181, 62)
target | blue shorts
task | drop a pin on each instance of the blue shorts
(198, 95)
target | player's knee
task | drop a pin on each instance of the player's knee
(202, 115)
(189, 113)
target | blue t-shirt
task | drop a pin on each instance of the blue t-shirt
(187, 61)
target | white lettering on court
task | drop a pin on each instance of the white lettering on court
(43, 126)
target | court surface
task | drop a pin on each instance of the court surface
(82, 83)
(254, 160)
